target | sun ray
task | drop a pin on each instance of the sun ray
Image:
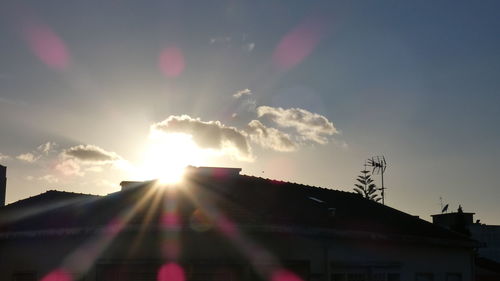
(255, 253)
(82, 258)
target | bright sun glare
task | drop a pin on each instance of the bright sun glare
(167, 155)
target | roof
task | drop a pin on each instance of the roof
(251, 202)
(48, 197)
(40, 204)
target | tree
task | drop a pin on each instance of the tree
(365, 186)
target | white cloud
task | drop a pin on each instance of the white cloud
(239, 94)
(47, 147)
(220, 40)
(4, 157)
(208, 135)
(83, 158)
(69, 167)
(310, 126)
(35, 155)
(49, 178)
(94, 169)
(250, 47)
(28, 157)
(270, 137)
(91, 153)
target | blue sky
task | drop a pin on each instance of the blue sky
(414, 81)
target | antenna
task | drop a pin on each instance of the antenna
(444, 208)
(379, 165)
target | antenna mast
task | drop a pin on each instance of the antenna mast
(379, 165)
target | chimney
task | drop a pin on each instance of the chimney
(214, 171)
(3, 184)
(130, 184)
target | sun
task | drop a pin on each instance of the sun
(167, 155)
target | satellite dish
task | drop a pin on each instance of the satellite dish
(445, 208)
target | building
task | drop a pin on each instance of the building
(488, 236)
(220, 225)
(3, 184)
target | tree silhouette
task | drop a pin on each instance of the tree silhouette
(365, 186)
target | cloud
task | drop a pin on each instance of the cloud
(77, 160)
(89, 156)
(208, 135)
(49, 178)
(239, 94)
(310, 126)
(250, 46)
(94, 169)
(91, 153)
(28, 157)
(39, 152)
(4, 157)
(220, 40)
(270, 137)
(69, 167)
(47, 147)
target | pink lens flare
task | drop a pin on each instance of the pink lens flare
(171, 272)
(297, 44)
(57, 275)
(171, 220)
(47, 46)
(284, 275)
(171, 62)
(114, 226)
(226, 226)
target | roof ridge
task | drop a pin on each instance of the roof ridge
(68, 192)
(51, 191)
(300, 184)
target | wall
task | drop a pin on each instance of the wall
(490, 236)
(313, 258)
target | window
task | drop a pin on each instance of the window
(356, 277)
(338, 277)
(198, 272)
(365, 274)
(393, 277)
(424, 277)
(453, 277)
(24, 276)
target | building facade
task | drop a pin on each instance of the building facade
(219, 225)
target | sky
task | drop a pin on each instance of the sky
(96, 92)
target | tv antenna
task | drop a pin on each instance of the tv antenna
(444, 208)
(379, 166)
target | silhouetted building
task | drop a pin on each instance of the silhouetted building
(220, 225)
(3, 184)
(459, 221)
(488, 236)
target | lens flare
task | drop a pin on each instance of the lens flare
(171, 272)
(171, 62)
(47, 46)
(57, 275)
(297, 44)
(284, 275)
